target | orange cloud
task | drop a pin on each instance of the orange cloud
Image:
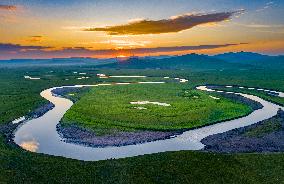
(173, 24)
(7, 7)
(23, 51)
(125, 43)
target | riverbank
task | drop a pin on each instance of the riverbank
(238, 98)
(8, 129)
(264, 136)
(77, 135)
(273, 96)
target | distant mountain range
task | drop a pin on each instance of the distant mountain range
(241, 56)
(253, 59)
(238, 60)
(190, 61)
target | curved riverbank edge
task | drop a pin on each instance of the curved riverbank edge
(79, 135)
(266, 136)
(40, 134)
(265, 90)
(8, 129)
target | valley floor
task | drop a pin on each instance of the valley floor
(19, 166)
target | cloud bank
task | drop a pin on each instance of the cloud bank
(180, 48)
(9, 51)
(171, 25)
(9, 47)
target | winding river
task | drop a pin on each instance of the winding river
(40, 135)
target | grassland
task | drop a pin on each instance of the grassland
(19, 96)
(172, 167)
(106, 108)
(18, 166)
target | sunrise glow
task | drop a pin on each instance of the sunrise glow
(89, 29)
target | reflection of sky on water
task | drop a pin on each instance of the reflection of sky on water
(30, 145)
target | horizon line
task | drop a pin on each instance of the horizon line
(142, 56)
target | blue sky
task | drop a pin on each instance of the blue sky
(154, 9)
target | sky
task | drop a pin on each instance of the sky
(112, 28)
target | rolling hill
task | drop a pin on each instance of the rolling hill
(253, 59)
(190, 61)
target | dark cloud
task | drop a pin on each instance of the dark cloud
(36, 38)
(8, 51)
(180, 48)
(7, 7)
(175, 24)
(89, 51)
(8, 47)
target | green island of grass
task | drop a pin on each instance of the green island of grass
(106, 109)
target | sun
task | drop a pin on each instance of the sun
(121, 56)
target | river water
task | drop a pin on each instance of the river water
(40, 135)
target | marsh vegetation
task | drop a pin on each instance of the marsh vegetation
(19, 96)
